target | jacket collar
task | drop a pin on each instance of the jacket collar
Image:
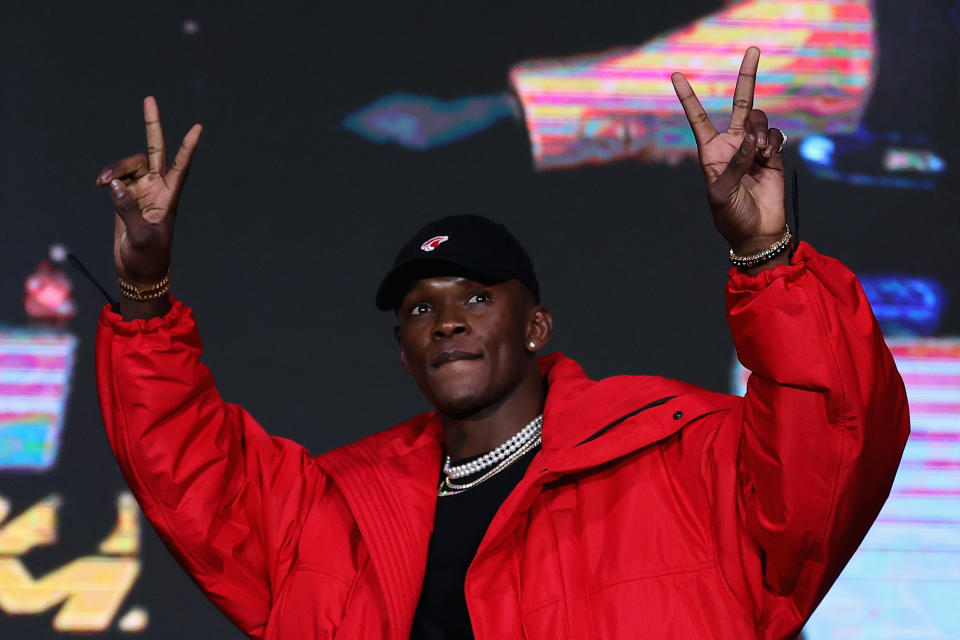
(590, 422)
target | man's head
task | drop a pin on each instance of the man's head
(469, 318)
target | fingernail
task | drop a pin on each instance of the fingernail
(103, 177)
(117, 187)
(762, 139)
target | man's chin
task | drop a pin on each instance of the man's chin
(461, 404)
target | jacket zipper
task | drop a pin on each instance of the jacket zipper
(602, 430)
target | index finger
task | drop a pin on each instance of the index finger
(181, 162)
(743, 94)
(703, 129)
(156, 149)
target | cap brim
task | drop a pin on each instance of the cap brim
(396, 284)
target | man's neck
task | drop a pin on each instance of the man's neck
(488, 429)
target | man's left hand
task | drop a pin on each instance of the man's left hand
(742, 166)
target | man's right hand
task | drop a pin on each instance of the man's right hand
(145, 195)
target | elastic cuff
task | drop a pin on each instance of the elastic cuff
(178, 312)
(745, 282)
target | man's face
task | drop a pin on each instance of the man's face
(465, 343)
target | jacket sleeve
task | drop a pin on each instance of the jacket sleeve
(825, 421)
(227, 499)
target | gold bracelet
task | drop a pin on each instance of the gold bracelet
(145, 294)
(771, 252)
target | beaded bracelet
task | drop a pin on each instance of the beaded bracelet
(152, 292)
(771, 252)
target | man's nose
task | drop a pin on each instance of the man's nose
(450, 322)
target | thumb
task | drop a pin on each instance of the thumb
(728, 181)
(128, 210)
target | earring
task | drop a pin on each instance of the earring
(532, 345)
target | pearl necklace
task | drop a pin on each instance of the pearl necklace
(448, 488)
(518, 441)
(524, 441)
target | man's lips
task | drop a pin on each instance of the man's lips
(452, 356)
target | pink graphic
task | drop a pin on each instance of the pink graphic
(35, 369)
(48, 291)
(816, 72)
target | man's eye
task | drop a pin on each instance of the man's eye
(419, 309)
(479, 297)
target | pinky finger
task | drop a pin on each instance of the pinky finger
(181, 162)
(776, 140)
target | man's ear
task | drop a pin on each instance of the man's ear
(539, 328)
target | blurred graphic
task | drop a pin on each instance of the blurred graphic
(86, 591)
(815, 77)
(48, 290)
(36, 363)
(873, 159)
(422, 122)
(824, 64)
(35, 368)
(905, 304)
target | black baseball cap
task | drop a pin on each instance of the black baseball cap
(468, 246)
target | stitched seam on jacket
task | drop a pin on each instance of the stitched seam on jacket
(744, 601)
(388, 511)
(135, 464)
(353, 588)
(843, 419)
(374, 514)
(542, 605)
(565, 578)
(294, 541)
(310, 568)
(831, 514)
(660, 574)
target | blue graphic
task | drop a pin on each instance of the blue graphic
(423, 122)
(865, 158)
(905, 305)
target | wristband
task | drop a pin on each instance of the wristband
(771, 252)
(144, 294)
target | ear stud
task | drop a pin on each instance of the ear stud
(532, 345)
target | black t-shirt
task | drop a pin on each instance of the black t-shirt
(459, 525)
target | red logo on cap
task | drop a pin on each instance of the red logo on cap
(434, 242)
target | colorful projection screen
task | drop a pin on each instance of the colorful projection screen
(840, 76)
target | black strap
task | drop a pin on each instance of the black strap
(796, 209)
(75, 261)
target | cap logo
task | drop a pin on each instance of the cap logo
(433, 243)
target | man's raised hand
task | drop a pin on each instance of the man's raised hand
(145, 195)
(742, 166)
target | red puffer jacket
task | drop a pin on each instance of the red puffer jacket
(654, 509)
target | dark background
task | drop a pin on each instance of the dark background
(287, 223)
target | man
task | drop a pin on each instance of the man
(533, 502)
